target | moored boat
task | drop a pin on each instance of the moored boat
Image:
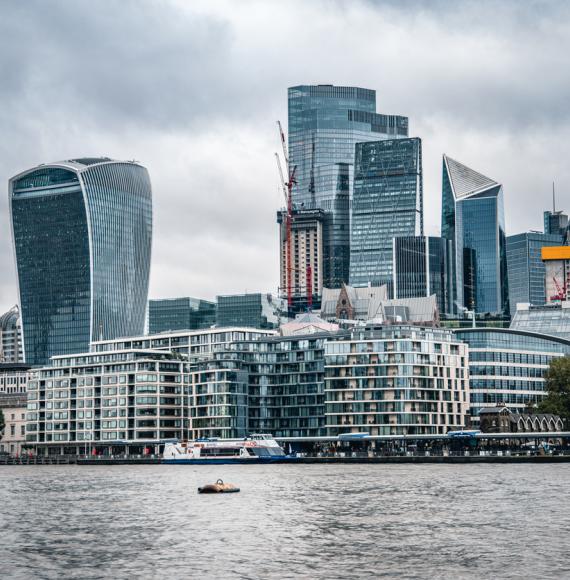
(257, 448)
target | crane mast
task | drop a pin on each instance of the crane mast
(287, 187)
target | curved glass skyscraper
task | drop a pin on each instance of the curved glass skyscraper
(82, 234)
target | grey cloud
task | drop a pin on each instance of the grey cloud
(192, 90)
(115, 63)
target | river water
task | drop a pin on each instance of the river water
(289, 521)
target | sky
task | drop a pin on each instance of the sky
(192, 90)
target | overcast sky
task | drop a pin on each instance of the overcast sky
(192, 90)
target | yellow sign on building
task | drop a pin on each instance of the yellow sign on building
(555, 253)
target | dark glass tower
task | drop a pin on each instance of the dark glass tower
(423, 266)
(473, 219)
(556, 222)
(180, 314)
(387, 203)
(325, 123)
(82, 235)
(254, 310)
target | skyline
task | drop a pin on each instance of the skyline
(210, 157)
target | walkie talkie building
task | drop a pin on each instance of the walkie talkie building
(82, 233)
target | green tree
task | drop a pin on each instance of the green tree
(557, 400)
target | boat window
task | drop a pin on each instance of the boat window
(219, 451)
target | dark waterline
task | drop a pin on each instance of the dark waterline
(289, 521)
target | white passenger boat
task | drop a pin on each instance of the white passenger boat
(258, 448)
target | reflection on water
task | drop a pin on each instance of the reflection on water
(289, 521)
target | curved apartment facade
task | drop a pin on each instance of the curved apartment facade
(82, 232)
(507, 366)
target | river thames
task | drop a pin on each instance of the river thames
(289, 521)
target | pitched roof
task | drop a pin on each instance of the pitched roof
(366, 301)
(414, 310)
(307, 323)
(494, 410)
(466, 181)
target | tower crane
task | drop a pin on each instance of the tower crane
(560, 290)
(287, 187)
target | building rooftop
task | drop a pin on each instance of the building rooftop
(365, 302)
(76, 165)
(551, 319)
(9, 318)
(413, 310)
(14, 367)
(465, 181)
(307, 323)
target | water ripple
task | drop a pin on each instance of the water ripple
(289, 521)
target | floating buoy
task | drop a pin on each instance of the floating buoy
(219, 487)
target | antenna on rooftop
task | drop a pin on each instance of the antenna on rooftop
(553, 199)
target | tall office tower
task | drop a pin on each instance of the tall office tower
(325, 123)
(526, 271)
(472, 217)
(423, 266)
(180, 314)
(387, 203)
(306, 257)
(82, 235)
(11, 337)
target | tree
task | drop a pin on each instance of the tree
(1, 422)
(557, 400)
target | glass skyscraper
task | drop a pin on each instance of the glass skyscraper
(556, 222)
(526, 269)
(473, 219)
(325, 123)
(387, 203)
(423, 266)
(82, 235)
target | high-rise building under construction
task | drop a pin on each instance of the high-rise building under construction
(306, 257)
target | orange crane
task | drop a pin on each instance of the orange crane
(560, 290)
(287, 187)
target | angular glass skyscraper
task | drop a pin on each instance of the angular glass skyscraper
(526, 269)
(388, 198)
(325, 123)
(82, 235)
(472, 217)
